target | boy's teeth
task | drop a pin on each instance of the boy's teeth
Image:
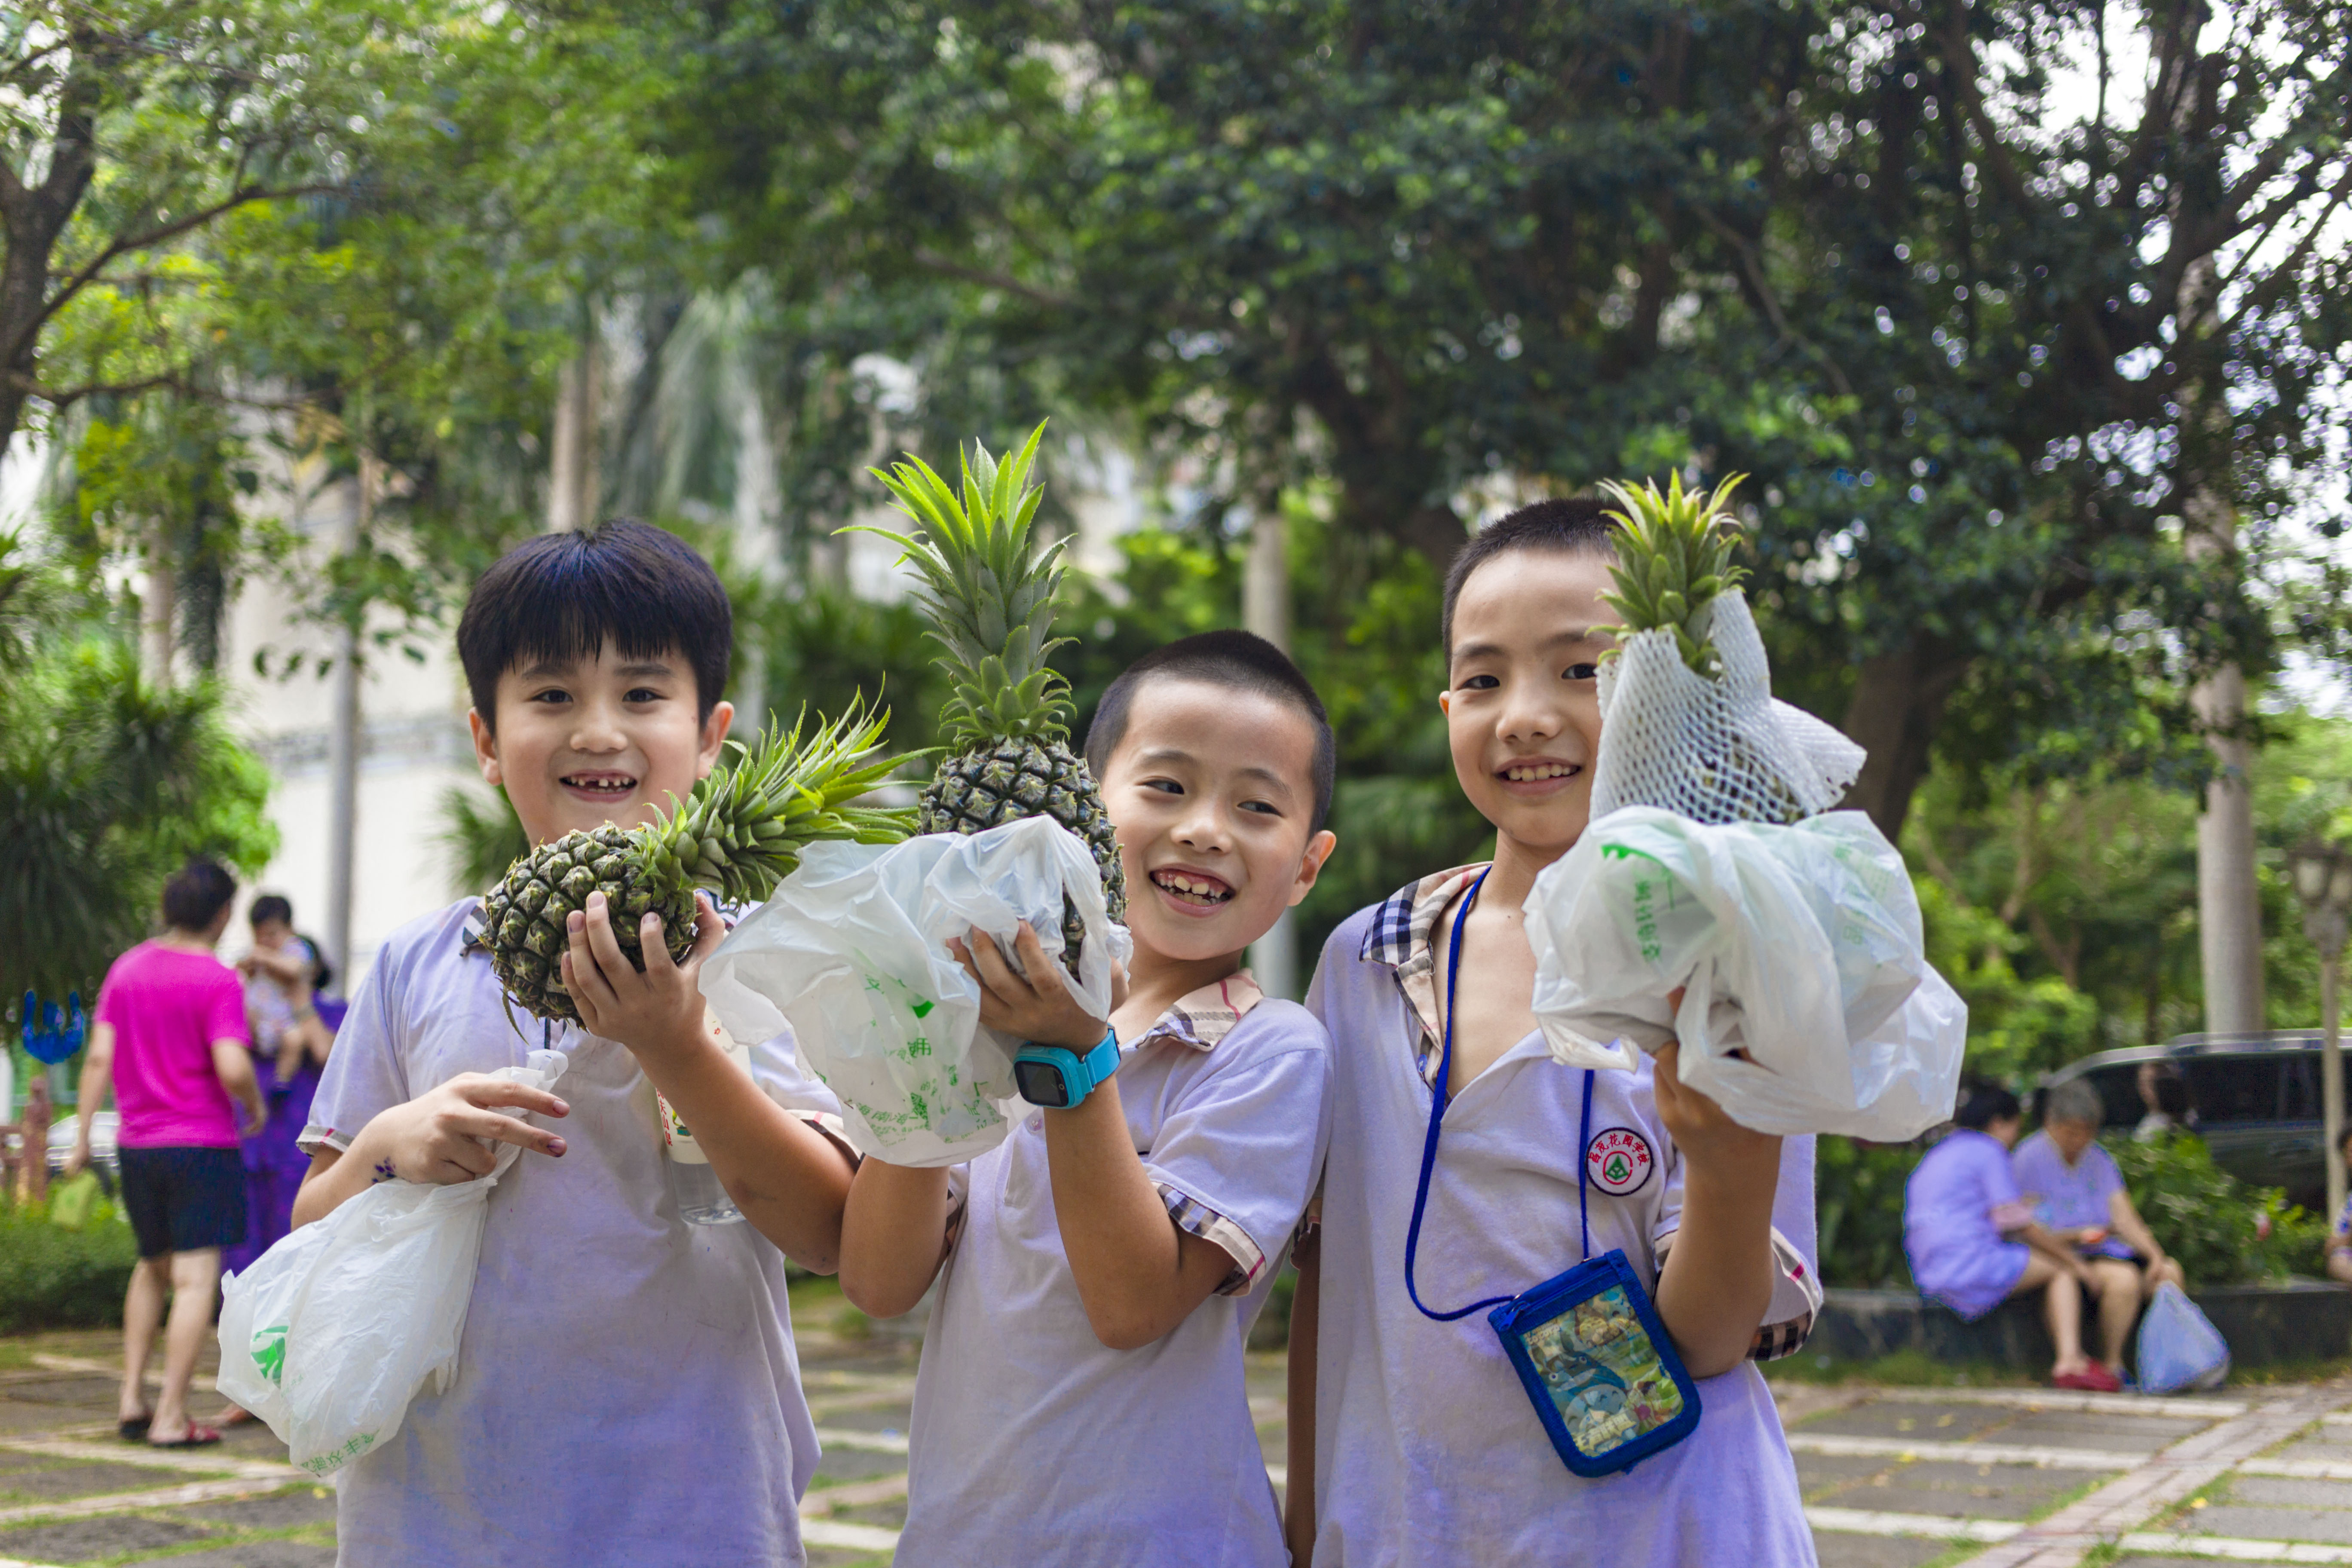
(1546, 771)
(1177, 882)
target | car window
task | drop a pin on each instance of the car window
(2301, 1090)
(2235, 1088)
(2118, 1087)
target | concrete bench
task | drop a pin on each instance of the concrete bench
(2266, 1325)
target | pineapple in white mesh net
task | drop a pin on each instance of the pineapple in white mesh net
(1691, 723)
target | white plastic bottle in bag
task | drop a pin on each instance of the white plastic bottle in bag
(701, 1200)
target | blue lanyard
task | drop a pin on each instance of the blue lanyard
(1437, 1101)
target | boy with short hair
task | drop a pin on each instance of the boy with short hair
(1413, 1440)
(627, 1390)
(1081, 1391)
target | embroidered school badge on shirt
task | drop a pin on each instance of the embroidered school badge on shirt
(1618, 1161)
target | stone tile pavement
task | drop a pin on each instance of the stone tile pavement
(1893, 1478)
(2037, 1479)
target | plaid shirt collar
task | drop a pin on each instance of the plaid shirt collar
(1403, 936)
(1202, 1018)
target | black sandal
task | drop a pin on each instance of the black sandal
(133, 1429)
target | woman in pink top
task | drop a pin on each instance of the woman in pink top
(170, 1038)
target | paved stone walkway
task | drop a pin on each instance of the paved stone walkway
(2036, 1479)
(1893, 1478)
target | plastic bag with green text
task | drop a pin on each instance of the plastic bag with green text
(851, 948)
(1809, 1005)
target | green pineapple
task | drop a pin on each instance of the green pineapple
(1674, 556)
(988, 588)
(740, 831)
(1674, 560)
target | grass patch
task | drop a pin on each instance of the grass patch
(2318, 1370)
(2072, 1494)
(2183, 1514)
(1904, 1369)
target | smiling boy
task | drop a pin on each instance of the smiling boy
(1413, 1440)
(627, 1390)
(1081, 1397)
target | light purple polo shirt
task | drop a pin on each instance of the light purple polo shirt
(2069, 1197)
(1031, 1440)
(1427, 1451)
(627, 1390)
(1958, 1201)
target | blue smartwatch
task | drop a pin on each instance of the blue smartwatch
(1057, 1078)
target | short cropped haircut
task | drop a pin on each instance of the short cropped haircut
(1238, 661)
(1985, 1104)
(198, 893)
(2075, 1101)
(270, 907)
(563, 595)
(1578, 525)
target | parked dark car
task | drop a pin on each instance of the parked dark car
(2254, 1099)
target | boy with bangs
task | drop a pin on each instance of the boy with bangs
(1413, 1440)
(1080, 1397)
(627, 1389)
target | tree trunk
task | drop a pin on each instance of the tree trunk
(2229, 903)
(573, 484)
(1265, 610)
(1898, 700)
(346, 736)
(157, 623)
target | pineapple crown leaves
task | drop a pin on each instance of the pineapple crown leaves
(1674, 556)
(743, 826)
(989, 588)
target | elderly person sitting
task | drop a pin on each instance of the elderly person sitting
(1974, 1242)
(2077, 1191)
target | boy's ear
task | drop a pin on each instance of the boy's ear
(1445, 701)
(714, 738)
(1310, 865)
(486, 747)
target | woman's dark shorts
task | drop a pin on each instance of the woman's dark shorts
(184, 1200)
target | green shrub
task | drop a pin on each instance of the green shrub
(2222, 1231)
(53, 1279)
(1858, 1193)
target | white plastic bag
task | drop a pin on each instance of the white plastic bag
(1800, 945)
(851, 948)
(331, 1333)
(2178, 1345)
(1714, 749)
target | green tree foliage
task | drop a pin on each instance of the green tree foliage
(107, 786)
(1991, 352)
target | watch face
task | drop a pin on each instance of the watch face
(1042, 1084)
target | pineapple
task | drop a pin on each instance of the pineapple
(1674, 560)
(740, 831)
(989, 589)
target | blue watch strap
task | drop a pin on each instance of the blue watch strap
(1080, 1075)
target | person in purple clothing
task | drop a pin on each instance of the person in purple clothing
(1973, 1241)
(2077, 1191)
(293, 1030)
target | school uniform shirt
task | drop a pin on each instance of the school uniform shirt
(2071, 1197)
(1034, 1442)
(626, 1388)
(1427, 1450)
(1958, 1208)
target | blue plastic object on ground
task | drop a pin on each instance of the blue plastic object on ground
(62, 1038)
(2178, 1345)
